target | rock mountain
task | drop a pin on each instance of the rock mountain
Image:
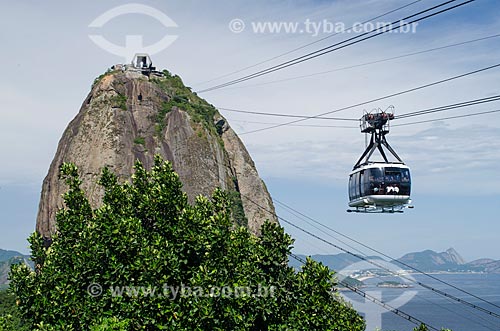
(129, 115)
(430, 260)
(448, 261)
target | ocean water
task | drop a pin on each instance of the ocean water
(432, 308)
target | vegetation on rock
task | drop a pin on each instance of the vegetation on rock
(119, 101)
(185, 99)
(139, 141)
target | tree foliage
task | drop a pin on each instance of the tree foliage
(146, 236)
(10, 319)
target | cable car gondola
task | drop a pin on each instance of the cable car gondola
(379, 186)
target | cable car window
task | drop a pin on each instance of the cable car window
(356, 183)
(352, 191)
(375, 175)
(393, 175)
(405, 176)
(362, 181)
(405, 182)
(351, 187)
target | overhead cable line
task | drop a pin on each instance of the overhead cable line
(450, 117)
(366, 259)
(308, 44)
(404, 115)
(464, 302)
(386, 28)
(381, 303)
(406, 265)
(285, 115)
(377, 99)
(352, 288)
(470, 311)
(365, 63)
(403, 124)
(363, 258)
(379, 31)
(300, 125)
(449, 107)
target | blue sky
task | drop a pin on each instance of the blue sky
(49, 63)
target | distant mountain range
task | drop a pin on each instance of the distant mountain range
(426, 261)
(450, 261)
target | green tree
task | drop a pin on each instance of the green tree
(114, 268)
(10, 319)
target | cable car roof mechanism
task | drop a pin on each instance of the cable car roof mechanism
(379, 186)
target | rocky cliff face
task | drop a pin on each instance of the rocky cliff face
(129, 116)
(452, 256)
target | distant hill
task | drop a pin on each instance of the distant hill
(8, 258)
(487, 265)
(450, 261)
(6, 255)
(427, 261)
